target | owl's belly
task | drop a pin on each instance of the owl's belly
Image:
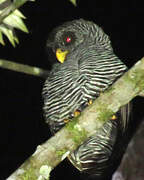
(69, 89)
(66, 95)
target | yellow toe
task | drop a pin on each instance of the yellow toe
(90, 102)
(113, 117)
(76, 113)
(66, 120)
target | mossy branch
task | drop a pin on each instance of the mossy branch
(52, 152)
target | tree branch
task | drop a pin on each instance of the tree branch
(31, 70)
(52, 152)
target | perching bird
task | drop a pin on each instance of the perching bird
(86, 66)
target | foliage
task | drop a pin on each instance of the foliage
(73, 2)
(14, 20)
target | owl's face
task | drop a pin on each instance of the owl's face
(69, 36)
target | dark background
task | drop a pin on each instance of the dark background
(22, 126)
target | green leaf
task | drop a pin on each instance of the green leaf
(16, 39)
(9, 34)
(19, 14)
(16, 22)
(1, 39)
(73, 2)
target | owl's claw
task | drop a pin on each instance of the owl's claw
(81, 108)
(66, 121)
(77, 113)
(114, 117)
(90, 102)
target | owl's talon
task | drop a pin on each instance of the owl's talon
(114, 117)
(77, 113)
(90, 102)
(66, 120)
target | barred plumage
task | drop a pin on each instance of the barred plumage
(89, 69)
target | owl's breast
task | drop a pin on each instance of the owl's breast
(70, 85)
(67, 89)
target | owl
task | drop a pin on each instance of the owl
(85, 66)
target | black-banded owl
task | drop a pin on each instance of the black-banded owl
(86, 66)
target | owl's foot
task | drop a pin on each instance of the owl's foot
(114, 117)
(80, 109)
(90, 102)
(66, 121)
(72, 115)
(77, 113)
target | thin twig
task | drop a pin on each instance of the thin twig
(31, 70)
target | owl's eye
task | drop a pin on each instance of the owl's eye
(68, 39)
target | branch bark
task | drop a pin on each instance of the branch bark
(52, 152)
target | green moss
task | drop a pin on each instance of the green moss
(78, 134)
(111, 88)
(103, 116)
(29, 174)
(60, 153)
(105, 113)
(71, 124)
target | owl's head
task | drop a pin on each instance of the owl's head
(74, 34)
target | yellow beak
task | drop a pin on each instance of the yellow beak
(61, 55)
